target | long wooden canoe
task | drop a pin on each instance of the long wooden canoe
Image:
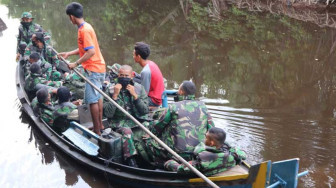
(244, 176)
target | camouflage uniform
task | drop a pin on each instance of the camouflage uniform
(46, 68)
(182, 126)
(113, 72)
(43, 111)
(25, 34)
(75, 84)
(65, 112)
(33, 79)
(46, 53)
(210, 160)
(66, 109)
(119, 121)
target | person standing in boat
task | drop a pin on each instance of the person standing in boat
(133, 98)
(26, 30)
(182, 126)
(91, 59)
(151, 76)
(212, 157)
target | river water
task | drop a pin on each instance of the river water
(267, 79)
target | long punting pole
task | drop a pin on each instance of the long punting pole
(198, 173)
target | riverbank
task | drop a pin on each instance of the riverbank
(319, 12)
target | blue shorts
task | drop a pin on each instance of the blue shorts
(91, 95)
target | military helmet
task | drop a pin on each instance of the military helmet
(26, 15)
(114, 68)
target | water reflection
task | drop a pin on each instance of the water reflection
(74, 174)
(268, 80)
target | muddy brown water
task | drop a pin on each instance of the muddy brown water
(268, 80)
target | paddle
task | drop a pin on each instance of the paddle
(198, 173)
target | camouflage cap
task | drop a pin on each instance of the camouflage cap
(26, 15)
(115, 68)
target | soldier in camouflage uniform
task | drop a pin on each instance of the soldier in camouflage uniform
(27, 29)
(212, 157)
(134, 100)
(46, 68)
(182, 126)
(35, 77)
(45, 51)
(113, 72)
(75, 83)
(42, 106)
(65, 111)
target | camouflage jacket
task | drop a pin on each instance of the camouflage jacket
(43, 111)
(75, 84)
(33, 79)
(66, 109)
(25, 34)
(210, 160)
(75, 79)
(46, 53)
(183, 125)
(46, 68)
(137, 108)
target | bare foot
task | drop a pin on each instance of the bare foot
(97, 132)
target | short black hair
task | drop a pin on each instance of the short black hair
(42, 95)
(34, 56)
(63, 94)
(39, 36)
(188, 87)
(142, 49)
(35, 68)
(217, 134)
(74, 9)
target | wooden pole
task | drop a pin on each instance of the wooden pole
(207, 180)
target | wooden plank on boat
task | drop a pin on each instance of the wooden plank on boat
(82, 142)
(234, 173)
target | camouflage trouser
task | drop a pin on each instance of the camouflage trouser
(172, 165)
(152, 152)
(127, 142)
(77, 92)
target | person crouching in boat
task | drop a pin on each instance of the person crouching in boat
(133, 98)
(65, 111)
(46, 67)
(212, 157)
(182, 126)
(45, 51)
(42, 105)
(35, 77)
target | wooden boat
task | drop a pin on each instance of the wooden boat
(256, 176)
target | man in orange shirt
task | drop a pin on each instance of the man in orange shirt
(92, 61)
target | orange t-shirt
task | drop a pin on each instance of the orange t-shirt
(87, 39)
